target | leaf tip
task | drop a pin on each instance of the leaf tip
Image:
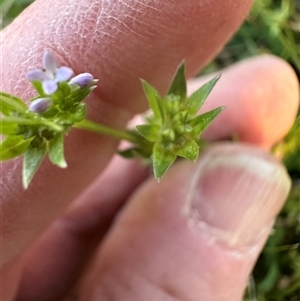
(218, 76)
(182, 64)
(25, 185)
(156, 176)
(25, 180)
(63, 164)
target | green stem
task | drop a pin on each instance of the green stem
(52, 125)
(89, 125)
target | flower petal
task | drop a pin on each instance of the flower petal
(49, 62)
(40, 105)
(63, 74)
(36, 75)
(49, 86)
(82, 80)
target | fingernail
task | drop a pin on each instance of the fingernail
(237, 193)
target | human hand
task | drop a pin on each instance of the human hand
(172, 240)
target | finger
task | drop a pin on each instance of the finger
(119, 42)
(261, 96)
(54, 263)
(10, 278)
(195, 235)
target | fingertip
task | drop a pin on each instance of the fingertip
(273, 97)
(261, 95)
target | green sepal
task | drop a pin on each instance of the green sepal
(79, 112)
(190, 151)
(197, 99)
(9, 104)
(78, 94)
(61, 93)
(39, 88)
(33, 157)
(154, 100)
(201, 122)
(51, 112)
(65, 88)
(13, 146)
(178, 85)
(56, 151)
(162, 160)
(150, 132)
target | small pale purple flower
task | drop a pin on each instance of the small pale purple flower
(51, 74)
(82, 80)
(40, 105)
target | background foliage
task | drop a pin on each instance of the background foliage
(273, 26)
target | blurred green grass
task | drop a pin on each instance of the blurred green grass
(9, 9)
(272, 27)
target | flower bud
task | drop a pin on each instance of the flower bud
(40, 105)
(82, 80)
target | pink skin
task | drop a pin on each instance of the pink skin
(119, 42)
(259, 86)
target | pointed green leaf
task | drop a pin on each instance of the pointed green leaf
(150, 132)
(154, 100)
(56, 151)
(129, 153)
(135, 152)
(178, 85)
(8, 128)
(32, 160)
(13, 146)
(162, 160)
(201, 122)
(9, 104)
(197, 99)
(190, 151)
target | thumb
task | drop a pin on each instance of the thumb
(197, 234)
